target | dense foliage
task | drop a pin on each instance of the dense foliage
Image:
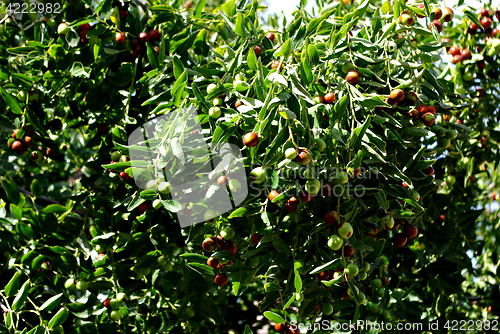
(369, 132)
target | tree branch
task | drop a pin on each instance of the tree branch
(43, 199)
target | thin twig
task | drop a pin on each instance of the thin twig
(41, 198)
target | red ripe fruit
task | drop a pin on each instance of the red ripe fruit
(413, 113)
(123, 13)
(290, 208)
(397, 223)
(329, 98)
(397, 95)
(280, 328)
(428, 119)
(154, 35)
(421, 6)
(352, 77)
(85, 26)
(481, 65)
(331, 217)
(293, 201)
(304, 157)
(209, 244)
(399, 240)
(305, 196)
(221, 280)
(348, 251)
(456, 59)
(473, 28)
(437, 24)
(17, 146)
(411, 231)
(270, 36)
(143, 207)
(222, 181)
(273, 194)
(466, 54)
(431, 109)
(486, 22)
(250, 139)
(422, 109)
(143, 37)
(454, 50)
(485, 12)
(293, 331)
(494, 32)
(106, 302)
(437, 13)
(448, 14)
(257, 50)
(212, 263)
(327, 189)
(14, 133)
(256, 237)
(441, 219)
(120, 37)
(28, 142)
(345, 295)
(429, 170)
(124, 176)
(157, 49)
(324, 275)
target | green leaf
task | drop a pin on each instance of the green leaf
(358, 134)
(193, 257)
(36, 188)
(152, 56)
(341, 107)
(382, 200)
(239, 26)
(297, 282)
(171, 205)
(377, 251)
(11, 190)
(280, 245)
(21, 296)
(12, 102)
(471, 16)
(13, 286)
(201, 268)
(252, 59)
(199, 8)
(412, 163)
(59, 318)
(334, 264)
(247, 330)
(274, 317)
(104, 7)
(285, 49)
(51, 303)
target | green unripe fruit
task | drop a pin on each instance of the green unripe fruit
(162, 261)
(341, 178)
(450, 179)
(214, 112)
(366, 266)
(51, 23)
(258, 175)
(121, 297)
(152, 185)
(373, 308)
(351, 293)
(335, 242)
(381, 292)
(309, 173)
(347, 67)
(234, 185)
(82, 286)
(115, 304)
(386, 222)
(211, 88)
(124, 158)
(443, 142)
(313, 186)
(351, 269)
(210, 215)
(100, 249)
(327, 309)
(320, 144)
(227, 233)
(316, 154)
(115, 315)
(414, 194)
(345, 230)
(190, 312)
(362, 276)
(377, 283)
(62, 29)
(218, 101)
(156, 204)
(468, 76)
(70, 284)
(164, 188)
(451, 134)
(361, 298)
(299, 297)
(290, 153)
(115, 156)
